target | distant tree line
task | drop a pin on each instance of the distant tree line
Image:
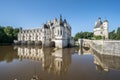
(8, 34)
(113, 35)
(84, 35)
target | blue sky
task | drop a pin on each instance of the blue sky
(81, 14)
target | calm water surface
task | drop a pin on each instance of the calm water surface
(23, 63)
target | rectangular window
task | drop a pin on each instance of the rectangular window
(58, 32)
(61, 32)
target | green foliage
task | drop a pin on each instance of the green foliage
(98, 37)
(15, 33)
(115, 35)
(9, 31)
(85, 35)
(3, 36)
(112, 35)
(8, 34)
(118, 34)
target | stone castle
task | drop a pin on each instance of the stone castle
(56, 32)
(101, 28)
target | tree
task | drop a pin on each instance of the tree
(9, 31)
(97, 37)
(85, 35)
(112, 35)
(8, 34)
(15, 33)
(118, 34)
(2, 35)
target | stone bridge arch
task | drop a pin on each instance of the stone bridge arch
(52, 44)
(38, 42)
(84, 42)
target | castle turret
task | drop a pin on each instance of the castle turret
(106, 24)
(60, 18)
(65, 21)
(61, 22)
(55, 20)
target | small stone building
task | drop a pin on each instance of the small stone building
(101, 28)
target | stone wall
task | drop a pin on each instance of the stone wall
(109, 47)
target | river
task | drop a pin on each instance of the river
(28, 62)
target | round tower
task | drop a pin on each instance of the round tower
(106, 24)
(106, 32)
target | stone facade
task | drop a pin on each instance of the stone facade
(101, 28)
(57, 31)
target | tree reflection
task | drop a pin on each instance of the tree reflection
(7, 53)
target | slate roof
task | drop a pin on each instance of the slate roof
(99, 23)
(45, 26)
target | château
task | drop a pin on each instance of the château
(57, 32)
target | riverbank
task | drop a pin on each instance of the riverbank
(5, 44)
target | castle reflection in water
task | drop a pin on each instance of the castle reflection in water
(105, 62)
(57, 61)
(52, 60)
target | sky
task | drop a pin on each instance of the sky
(80, 14)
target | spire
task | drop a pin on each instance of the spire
(20, 29)
(65, 21)
(60, 18)
(55, 19)
(99, 18)
(61, 22)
